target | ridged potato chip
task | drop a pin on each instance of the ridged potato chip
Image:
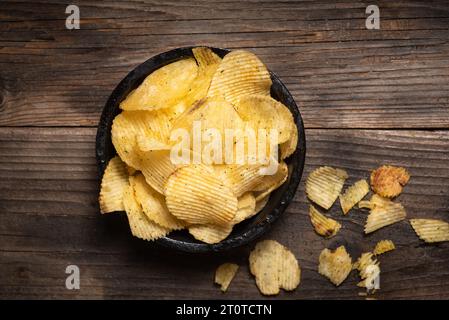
(239, 74)
(383, 246)
(387, 181)
(141, 226)
(288, 147)
(323, 225)
(431, 230)
(164, 87)
(149, 144)
(353, 195)
(210, 233)
(335, 265)
(153, 204)
(269, 183)
(324, 184)
(383, 212)
(157, 167)
(246, 207)
(369, 271)
(263, 112)
(224, 275)
(196, 195)
(274, 267)
(113, 184)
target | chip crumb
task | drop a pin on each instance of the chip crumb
(383, 246)
(224, 275)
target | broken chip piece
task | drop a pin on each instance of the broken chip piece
(387, 181)
(335, 265)
(353, 195)
(369, 271)
(383, 246)
(383, 212)
(324, 184)
(323, 225)
(224, 275)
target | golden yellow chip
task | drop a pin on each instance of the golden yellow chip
(131, 171)
(157, 167)
(383, 246)
(195, 194)
(383, 212)
(239, 74)
(369, 271)
(224, 275)
(153, 204)
(324, 184)
(263, 112)
(431, 230)
(113, 183)
(149, 144)
(164, 87)
(324, 226)
(387, 181)
(246, 207)
(336, 265)
(274, 267)
(260, 204)
(288, 147)
(269, 183)
(353, 195)
(141, 226)
(129, 126)
(210, 233)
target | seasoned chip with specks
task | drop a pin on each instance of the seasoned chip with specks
(323, 225)
(387, 181)
(431, 230)
(353, 195)
(335, 265)
(324, 185)
(224, 275)
(383, 246)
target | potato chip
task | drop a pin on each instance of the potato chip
(260, 204)
(324, 184)
(383, 212)
(224, 275)
(263, 112)
(383, 246)
(129, 125)
(274, 267)
(141, 226)
(369, 271)
(353, 195)
(149, 144)
(431, 230)
(387, 181)
(196, 195)
(131, 171)
(113, 183)
(157, 167)
(336, 265)
(239, 74)
(164, 87)
(324, 226)
(246, 207)
(153, 204)
(289, 147)
(269, 183)
(210, 233)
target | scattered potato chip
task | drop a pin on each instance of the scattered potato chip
(369, 271)
(288, 148)
(153, 204)
(263, 112)
(383, 246)
(210, 233)
(239, 74)
(163, 87)
(224, 275)
(353, 195)
(387, 181)
(246, 207)
(431, 230)
(336, 265)
(196, 195)
(383, 212)
(141, 226)
(274, 267)
(113, 183)
(324, 226)
(324, 184)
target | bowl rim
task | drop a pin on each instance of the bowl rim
(296, 160)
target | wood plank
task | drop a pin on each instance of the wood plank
(342, 75)
(49, 219)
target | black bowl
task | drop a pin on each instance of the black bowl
(245, 231)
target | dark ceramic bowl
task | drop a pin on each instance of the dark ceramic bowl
(245, 231)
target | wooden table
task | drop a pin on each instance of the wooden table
(368, 97)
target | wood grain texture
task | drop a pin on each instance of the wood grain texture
(342, 75)
(49, 219)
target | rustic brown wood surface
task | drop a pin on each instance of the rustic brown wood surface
(367, 97)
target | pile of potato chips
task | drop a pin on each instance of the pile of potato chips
(206, 198)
